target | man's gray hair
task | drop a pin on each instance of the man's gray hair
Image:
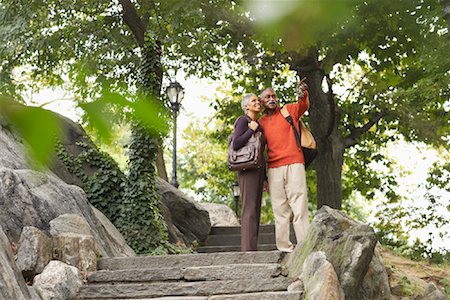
(245, 101)
(267, 89)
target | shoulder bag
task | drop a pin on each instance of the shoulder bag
(305, 140)
(247, 157)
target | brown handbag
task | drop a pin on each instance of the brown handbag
(247, 157)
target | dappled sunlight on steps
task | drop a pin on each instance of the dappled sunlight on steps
(222, 273)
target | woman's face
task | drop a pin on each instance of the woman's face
(254, 104)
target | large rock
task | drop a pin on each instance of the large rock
(347, 244)
(175, 235)
(319, 278)
(77, 250)
(35, 251)
(376, 282)
(119, 245)
(432, 292)
(12, 284)
(58, 281)
(72, 223)
(221, 214)
(32, 198)
(187, 215)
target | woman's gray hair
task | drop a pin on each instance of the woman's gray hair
(245, 101)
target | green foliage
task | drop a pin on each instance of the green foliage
(397, 220)
(203, 166)
(125, 201)
(142, 201)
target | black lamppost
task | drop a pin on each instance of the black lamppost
(447, 15)
(175, 92)
(236, 193)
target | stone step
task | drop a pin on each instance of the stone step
(234, 248)
(198, 288)
(283, 295)
(203, 273)
(263, 228)
(189, 260)
(235, 239)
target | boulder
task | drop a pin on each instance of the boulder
(187, 215)
(319, 278)
(35, 198)
(77, 250)
(119, 245)
(58, 281)
(348, 245)
(376, 282)
(72, 223)
(35, 251)
(12, 284)
(221, 214)
(33, 293)
(32, 198)
(175, 235)
(432, 292)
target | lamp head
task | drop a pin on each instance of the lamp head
(236, 189)
(175, 92)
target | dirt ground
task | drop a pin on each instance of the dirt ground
(408, 278)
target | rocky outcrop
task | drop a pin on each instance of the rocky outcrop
(376, 282)
(432, 292)
(72, 223)
(33, 198)
(77, 250)
(187, 215)
(118, 244)
(58, 281)
(12, 284)
(220, 214)
(35, 251)
(347, 244)
(319, 278)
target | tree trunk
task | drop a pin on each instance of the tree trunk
(323, 122)
(329, 171)
(160, 164)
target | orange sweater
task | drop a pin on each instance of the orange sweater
(282, 148)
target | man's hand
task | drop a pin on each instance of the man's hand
(253, 125)
(301, 88)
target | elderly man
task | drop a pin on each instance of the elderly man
(286, 167)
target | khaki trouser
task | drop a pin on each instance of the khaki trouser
(288, 192)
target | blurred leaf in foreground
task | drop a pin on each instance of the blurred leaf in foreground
(38, 128)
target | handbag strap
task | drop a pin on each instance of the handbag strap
(288, 118)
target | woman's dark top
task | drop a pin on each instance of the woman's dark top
(242, 132)
(241, 135)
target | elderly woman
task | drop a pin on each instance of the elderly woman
(251, 181)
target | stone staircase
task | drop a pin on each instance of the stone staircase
(218, 276)
(226, 239)
(221, 274)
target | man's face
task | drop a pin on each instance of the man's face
(269, 99)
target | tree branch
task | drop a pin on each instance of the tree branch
(353, 138)
(131, 18)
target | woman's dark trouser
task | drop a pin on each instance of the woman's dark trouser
(251, 185)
